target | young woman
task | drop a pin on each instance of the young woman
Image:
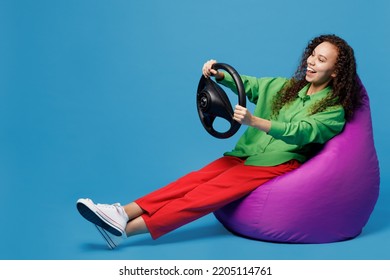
(292, 118)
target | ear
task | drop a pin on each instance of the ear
(334, 74)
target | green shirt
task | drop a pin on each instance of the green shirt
(294, 134)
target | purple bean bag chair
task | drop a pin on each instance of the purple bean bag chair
(329, 198)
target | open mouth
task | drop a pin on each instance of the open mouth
(310, 70)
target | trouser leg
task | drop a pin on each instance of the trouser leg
(153, 201)
(205, 196)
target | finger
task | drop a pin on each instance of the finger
(207, 68)
(206, 72)
(238, 114)
(213, 72)
(239, 107)
(237, 118)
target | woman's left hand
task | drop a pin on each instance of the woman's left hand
(242, 115)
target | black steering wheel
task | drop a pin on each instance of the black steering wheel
(213, 102)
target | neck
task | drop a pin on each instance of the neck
(313, 89)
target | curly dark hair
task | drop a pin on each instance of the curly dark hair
(344, 86)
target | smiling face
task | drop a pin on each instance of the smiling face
(321, 66)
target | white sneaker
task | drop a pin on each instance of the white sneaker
(111, 217)
(112, 241)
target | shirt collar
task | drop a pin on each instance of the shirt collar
(317, 96)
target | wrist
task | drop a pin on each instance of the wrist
(261, 124)
(219, 76)
(254, 121)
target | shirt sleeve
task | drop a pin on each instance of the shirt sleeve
(254, 86)
(317, 128)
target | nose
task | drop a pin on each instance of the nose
(310, 61)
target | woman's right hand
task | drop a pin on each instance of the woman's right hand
(208, 71)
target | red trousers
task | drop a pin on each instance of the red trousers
(204, 191)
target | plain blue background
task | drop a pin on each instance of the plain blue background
(97, 99)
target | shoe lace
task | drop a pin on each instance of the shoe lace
(115, 205)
